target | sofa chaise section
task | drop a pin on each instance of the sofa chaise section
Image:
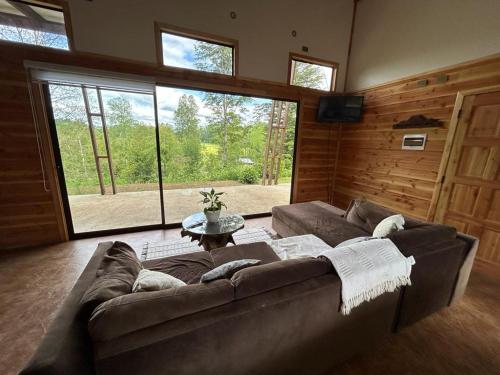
(443, 256)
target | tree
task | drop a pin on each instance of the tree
(185, 116)
(32, 36)
(120, 112)
(310, 75)
(226, 109)
(213, 58)
(67, 103)
(188, 130)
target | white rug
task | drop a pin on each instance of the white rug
(154, 250)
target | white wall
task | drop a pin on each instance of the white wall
(124, 28)
(397, 38)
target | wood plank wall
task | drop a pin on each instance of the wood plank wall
(27, 213)
(371, 163)
(317, 150)
(30, 215)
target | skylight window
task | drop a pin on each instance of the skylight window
(312, 73)
(187, 50)
(33, 23)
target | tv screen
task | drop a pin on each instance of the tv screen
(340, 109)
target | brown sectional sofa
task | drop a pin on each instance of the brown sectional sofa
(281, 317)
(443, 257)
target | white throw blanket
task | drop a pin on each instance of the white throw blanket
(307, 245)
(368, 269)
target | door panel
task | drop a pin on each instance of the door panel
(470, 197)
(473, 161)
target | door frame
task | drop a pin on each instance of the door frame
(448, 147)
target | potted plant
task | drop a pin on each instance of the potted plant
(213, 205)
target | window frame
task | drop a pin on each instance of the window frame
(316, 61)
(57, 5)
(161, 28)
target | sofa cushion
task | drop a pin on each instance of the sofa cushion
(149, 281)
(422, 238)
(303, 217)
(227, 270)
(366, 215)
(307, 218)
(259, 279)
(338, 230)
(388, 225)
(257, 250)
(185, 267)
(136, 311)
(115, 275)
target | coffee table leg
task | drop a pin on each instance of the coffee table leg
(213, 242)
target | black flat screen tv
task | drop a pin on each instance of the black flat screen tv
(340, 109)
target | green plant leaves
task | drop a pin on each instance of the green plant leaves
(212, 199)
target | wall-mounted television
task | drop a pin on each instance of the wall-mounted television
(340, 109)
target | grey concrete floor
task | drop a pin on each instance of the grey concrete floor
(100, 212)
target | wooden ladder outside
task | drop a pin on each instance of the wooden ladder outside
(107, 152)
(275, 142)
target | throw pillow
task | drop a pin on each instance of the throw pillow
(115, 276)
(388, 225)
(149, 281)
(227, 270)
(353, 241)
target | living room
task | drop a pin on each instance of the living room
(207, 133)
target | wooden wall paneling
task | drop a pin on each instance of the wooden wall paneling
(26, 207)
(371, 163)
(316, 150)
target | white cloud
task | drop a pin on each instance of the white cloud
(178, 51)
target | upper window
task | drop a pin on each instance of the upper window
(312, 73)
(189, 50)
(33, 22)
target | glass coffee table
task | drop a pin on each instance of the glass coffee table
(212, 235)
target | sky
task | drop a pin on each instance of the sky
(178, 51)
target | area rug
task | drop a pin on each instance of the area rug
(154, 250)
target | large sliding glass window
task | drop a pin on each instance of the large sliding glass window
(242, 146)
(107, 145)
(131, 158)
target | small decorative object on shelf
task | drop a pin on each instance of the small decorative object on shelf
(418, 121)
(213, 205)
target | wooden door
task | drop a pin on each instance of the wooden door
(470, 196)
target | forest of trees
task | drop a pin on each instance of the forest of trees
(191, 150)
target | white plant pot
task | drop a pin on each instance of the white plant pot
(212, 216)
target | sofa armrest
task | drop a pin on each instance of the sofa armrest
(433, 281)
(66, 347)
(465, 269)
